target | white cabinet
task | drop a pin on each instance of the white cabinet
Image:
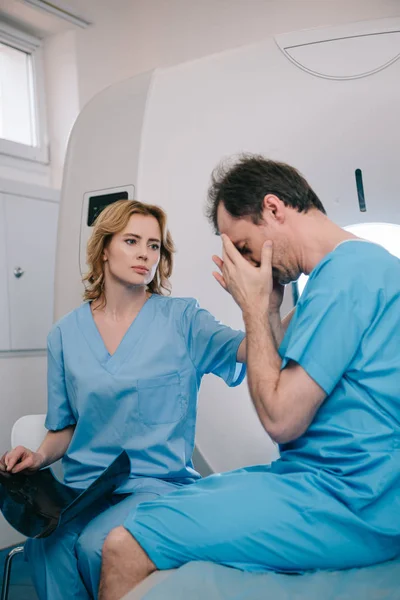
(28, 230)
(4, 320)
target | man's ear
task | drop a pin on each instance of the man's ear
(273, 209)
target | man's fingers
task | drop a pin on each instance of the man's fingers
(218, 261)
(220, 280)
(220, 264)
(266, 257)
(230, 251)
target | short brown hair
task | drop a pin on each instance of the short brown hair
(114, 219)
(242, 187)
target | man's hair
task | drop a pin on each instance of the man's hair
(242, 188)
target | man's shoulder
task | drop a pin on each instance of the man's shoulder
(356, 261)
(359, 251)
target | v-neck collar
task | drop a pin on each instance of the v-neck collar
(135, 331)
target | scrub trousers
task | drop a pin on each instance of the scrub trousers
(66, 565)
(257, 520)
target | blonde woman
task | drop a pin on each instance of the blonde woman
(124, 370)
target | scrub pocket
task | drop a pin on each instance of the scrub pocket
(161, 400)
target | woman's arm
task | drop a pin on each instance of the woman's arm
(53, 447)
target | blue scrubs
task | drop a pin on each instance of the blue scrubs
(331, 501)
(142, 399)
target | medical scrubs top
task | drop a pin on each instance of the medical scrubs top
(143, 398)
(345, 333)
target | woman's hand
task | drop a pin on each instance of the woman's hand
(21, 459)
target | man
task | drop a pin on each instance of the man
(330, 397)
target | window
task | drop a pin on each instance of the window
(22, 119)
(17, 122)
(384, 234)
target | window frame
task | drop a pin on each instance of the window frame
(27, 43)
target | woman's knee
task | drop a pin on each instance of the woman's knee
(89, 544)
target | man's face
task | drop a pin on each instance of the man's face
(249, 237)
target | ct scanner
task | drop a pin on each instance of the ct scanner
(326, 101)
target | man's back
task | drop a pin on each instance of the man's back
(346, 335)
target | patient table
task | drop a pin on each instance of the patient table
(207, 581)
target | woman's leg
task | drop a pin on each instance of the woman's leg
(53, 562)
(90, 543)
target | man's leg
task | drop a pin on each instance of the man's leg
(206, 521)
(252, 519)
(90, 543)
(125, 565)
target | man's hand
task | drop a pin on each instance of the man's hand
(249, 286)
(276, 298)
(20, 459)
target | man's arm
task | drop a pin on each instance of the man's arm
(278, 328)
(286, 400)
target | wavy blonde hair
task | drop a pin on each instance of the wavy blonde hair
(112, 220)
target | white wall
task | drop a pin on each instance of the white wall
(131, 36)
(25, 171)
(61, 68)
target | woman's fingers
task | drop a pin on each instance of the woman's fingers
(3, 466)
(26, 463)
(17, 457)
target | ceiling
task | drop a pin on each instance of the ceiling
(42, 24)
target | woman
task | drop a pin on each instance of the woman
(124, 370)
